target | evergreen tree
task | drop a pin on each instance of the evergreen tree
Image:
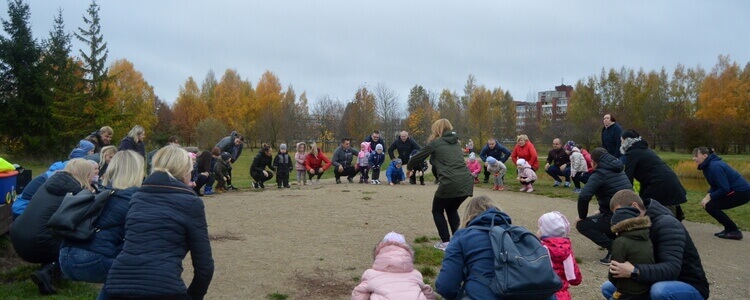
(99, 107)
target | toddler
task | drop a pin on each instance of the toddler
(553, 231)
(392, 275)
(363, 161)
(498, 169)
(283, 165)
(395, 174)
(299, 163)
(577, 165)
(526, 175)
(474, 167)
(419, 172)
(221, 171)
(633, 245)
(377, 159)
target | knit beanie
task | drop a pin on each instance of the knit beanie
(624, 213)
(554, 224)
(225, 156)
(569, 146)
(394, 237)
(397, 161)
(282, 147)
(472, 156)
(491, 160)
(81, 150)
(379, 147)
(521, 162)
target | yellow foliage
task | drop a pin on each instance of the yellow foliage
(134, 98)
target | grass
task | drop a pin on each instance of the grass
(278, 296)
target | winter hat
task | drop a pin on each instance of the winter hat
(629, 137)
(397, 161)
(282, 147)
(81, 150)
(521, 162)
(225, 156)
(192, 155)
(625, 213)
(630, 134)
(472, 156)
(554, 224)
(491, 160)
(569, 145)
(379, 147)
(394, 237)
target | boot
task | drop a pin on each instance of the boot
(530, 189)
(208, 190)
(476, 180)
(43, 279)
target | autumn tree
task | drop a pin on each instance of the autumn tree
(234, 103)
(209, 131)
(268, 97)
(296, 116)
(723, 103)
(480, 116)
(449, 107)
(359, 115)
(164, 122)
(326, 115)
(208, 90)
(189, 110)
(462, 124)
(507, 121)
(584, 114)
(421, 110)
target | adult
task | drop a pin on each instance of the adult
(678, 271)
(526, 150)
(374, 139)
(101, 138)
(105, 157)
(470, 253)
(314, 163)
(90, 260)
(405, 145)
(134, 141)
(493, 149)
(606, 180)
(611, 133)
(658, 181)
(258, 170)
(342, 161)
(203, 173)
(233, 145)
(165, 221)
(558, 163)
(728, 190)
(81, 150)
(29, 234)
(455, 180)
(22, 201)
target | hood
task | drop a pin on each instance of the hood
(610, 162)
(393, 257)
(56, 167)
(485, 219)
(559, 247)
(654, 209)
(575, 149)
(62, 183)
(450, 137)
(632, 224)
(633, 143)
(706, 163)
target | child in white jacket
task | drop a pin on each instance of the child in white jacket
(526, 175)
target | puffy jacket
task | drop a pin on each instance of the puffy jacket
(577, 162)
(447, 157)
(589, 164)
(260, 163)
(299, 161)
(404, 149)
(31, 238)
(129, 143)
(722, 178)
(19, 205)
(527, 152)
(606, 180)
(611, 139)
(315, 163)
(474, 167)
(226, 144)
(221, 168)
(632, 245)
(469, 252)
(394, 172)
(658, 181)
(560, 249)
(343, 156)
(376, 160)
(282, 163)
(392, 276)
(380, 141)
(165, 220)
(499, 152)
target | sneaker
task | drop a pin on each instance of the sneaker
(605, 260)
(232, 188)
(279, 187)
(43, 279)
(476, 180)
(256, 185)
(577, 191)
(441, 246)
(338, 181)
(350, 179)
(530, 190)
(567, 184)
(377, 181)
(261, 185)
(421, 183)
(731, 235)
(485, 180)
(720, 232)
(494, 187)
(209, 192)
(557, 183)
(317, 181)
(500, 188)
(523, 189)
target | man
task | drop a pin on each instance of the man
(374, 139)
(493, 149)
(405, 145)
(606, 180)
(231, 144)
(342, 161)
(611, 135)
(678, 272)
(101, 138)
(558, 163)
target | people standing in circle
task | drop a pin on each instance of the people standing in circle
(232, 144)
(258, 170)
(342, 161)
(526, 150)
(728, 190)
(404, 145)
(455, 180)
(134, 141)
(314, 163)
(558, 163)
(493, 149)
(611, 133)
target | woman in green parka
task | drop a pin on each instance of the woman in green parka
(456, 183)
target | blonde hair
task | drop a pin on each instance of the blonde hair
(125, 170)
(439, 127)
(107, 129)
(173, 160)
(476, 207)
(137, 130)
(81, 170)
(314, 149)
(105, 151)
(522, 137)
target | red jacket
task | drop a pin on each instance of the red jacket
(314, 163)
(559, 250)
(527, 152)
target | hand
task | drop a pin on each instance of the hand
(265, 174)
(705, 200)
(621, 269)
(341, 168)
(320, 170)
(310, 171)
(409, 174)
(546, 166)
(205, 174)
(192, 184)
(563, 167)
(229, 177)
(390, 183)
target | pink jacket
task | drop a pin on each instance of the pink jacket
(475, 167)
(392, 276)
(299, 158)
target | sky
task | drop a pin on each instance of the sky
(334, 47)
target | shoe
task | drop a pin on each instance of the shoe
(338, 181)
(577, 191)
(523, 189)
(530, 190)
(232, 188)
(605, 260)
(377, 181)
(256, 185)
(261, 185)
(317, 181)
(476, 180)
(720, 232)
(412, 182)
(287, 187)
(421, 182)
(500, 188)
(441, 246)
(557, 183)
(567, 184)
(208, 190)
(485, 180)
(279, 187)
(494, 187)
(350, 179)
(43, 279)
(731, 235)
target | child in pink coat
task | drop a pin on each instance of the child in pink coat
(526, 175)
(553, 231)
(299, 163)
(392, 275)
(474, 167)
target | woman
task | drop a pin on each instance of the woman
(258, 168)
(165, 221)
(525, 149)
(728, 190)
(470, 252)
(611, 133)
(456, 183)
(314, 163)
(105, 157)
(134, 141)
(31, 238)
(202, 173)
(90, 260)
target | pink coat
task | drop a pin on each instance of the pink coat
(475, 167)
(392, 276)
(299, 159)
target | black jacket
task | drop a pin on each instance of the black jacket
(283, 163)
(260, 163)
(499, 152)
(606, 180)
(404, 149)
(129, 144)
(611, 139)
(657, 179)
(558, 157)
(372, 145)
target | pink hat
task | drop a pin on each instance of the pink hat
(554, 224)
(394, 237)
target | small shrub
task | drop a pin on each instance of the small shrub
(277, 296)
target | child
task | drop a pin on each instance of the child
(474, 167)
(633, 245)
(363, 161)
(299, 165)
(392, 275)
(553, 231)
(221, 171)
(526, 175)
(377, 159)
(395, 174)
(420, 169)
(577, 165)
(283, 165)
(215, 158)
(498, 170)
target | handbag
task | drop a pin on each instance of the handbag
(75, 218)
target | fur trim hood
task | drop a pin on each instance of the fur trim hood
(632, 224)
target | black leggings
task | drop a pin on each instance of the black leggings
(446, 206)
(319, 174)
(715, 208)
(258, 177)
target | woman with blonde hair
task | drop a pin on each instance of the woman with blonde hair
(165, 221)
(90, 260)
(526, 150)
(314, 162)
(134, 141)
(31, 238)
(456, 183)
(105, 157)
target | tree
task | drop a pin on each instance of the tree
(94, 65)
(359, 115)
(189, 110)
(208, 90)
(723, 103)
(387, 110)
(584, 114)
(480, 116)
(507, 122)
(268, 97)
(422, 113)
(164, 127)
(234, 104)
(209, 131)
(134, 98)
(326, 114)
(449, 108)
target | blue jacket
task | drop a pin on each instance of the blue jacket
(722, 178)
(394, 172)
(165, 220)
(499, 152)
(471, 249)
(108, 241)
(376, 160)
(129, 143)
(19, 205)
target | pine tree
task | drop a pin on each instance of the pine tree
(99, 107)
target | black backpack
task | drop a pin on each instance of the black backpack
(523, 268)
(75, 218)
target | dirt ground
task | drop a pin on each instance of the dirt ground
(313, 242)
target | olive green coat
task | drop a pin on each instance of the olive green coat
(448, 159)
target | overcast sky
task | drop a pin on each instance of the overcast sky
(333, 47)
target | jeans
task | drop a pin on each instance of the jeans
(715, 208)
(662, 290)
(597, 229)
(555, 172)
(450, 207)
(83, 265)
